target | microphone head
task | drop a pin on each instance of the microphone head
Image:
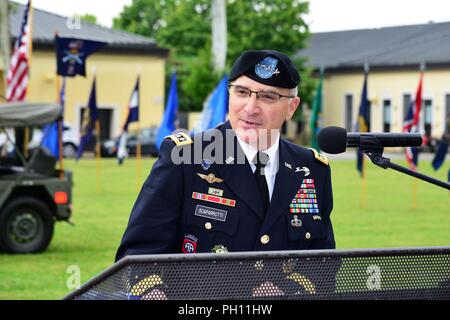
(332, 140)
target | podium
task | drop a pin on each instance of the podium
(397, 273)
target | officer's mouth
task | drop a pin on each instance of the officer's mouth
(249, 124)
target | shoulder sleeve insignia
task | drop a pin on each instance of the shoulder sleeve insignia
(319, 156)
(180, 138)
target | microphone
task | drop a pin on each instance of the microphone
(335, 140)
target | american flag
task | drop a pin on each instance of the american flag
(411, 124)
(17, 78)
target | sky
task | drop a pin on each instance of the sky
(325, 15)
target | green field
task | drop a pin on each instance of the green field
(100, 217)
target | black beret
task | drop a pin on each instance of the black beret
(268, 67)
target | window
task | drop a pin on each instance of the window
(406, 103)
(386, 115)
(427, 116)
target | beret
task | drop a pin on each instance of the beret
(268, 67)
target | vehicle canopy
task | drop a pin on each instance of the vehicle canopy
(26, 114)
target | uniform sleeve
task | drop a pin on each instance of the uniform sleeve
(152, 227)
(328, 241)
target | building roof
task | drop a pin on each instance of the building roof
(392, 47)
(45, 24)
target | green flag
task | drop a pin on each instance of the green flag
(316, 113)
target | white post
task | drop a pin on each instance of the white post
(219, 34)
(5, 44)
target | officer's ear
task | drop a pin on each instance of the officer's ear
(293, 105)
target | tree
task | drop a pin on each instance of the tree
(184, 26)
(89, 18)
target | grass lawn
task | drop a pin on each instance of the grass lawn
(100, 217)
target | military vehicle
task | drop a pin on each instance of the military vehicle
(33, 193)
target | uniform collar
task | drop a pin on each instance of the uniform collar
(250, 152)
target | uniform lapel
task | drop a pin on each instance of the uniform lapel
(239, 177)
(287, 183)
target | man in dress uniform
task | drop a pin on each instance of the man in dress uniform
(262, 193)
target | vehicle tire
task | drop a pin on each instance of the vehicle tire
(26, 226)
(69, 150)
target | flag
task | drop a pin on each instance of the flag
(362, 124)
(215, 108)
(314, 123)
(168, 122)
(71, 55)
(51, 132)
(441, 152)
(133, 116)
(90, 116)
(411, 125)
(17, 77)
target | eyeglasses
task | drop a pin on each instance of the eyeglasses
(264, 96)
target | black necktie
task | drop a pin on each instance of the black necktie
(260, 162)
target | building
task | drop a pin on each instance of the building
(394, 56)
(116, 68)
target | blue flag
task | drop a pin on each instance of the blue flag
(440, 154)
(216, 107)
(362, 124)
(71, 55)
(51, 132)
(168, 122)
(90, 116)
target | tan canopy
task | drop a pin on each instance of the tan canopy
(25, 114)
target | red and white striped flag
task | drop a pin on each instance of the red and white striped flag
(411, 125)
(17, 78)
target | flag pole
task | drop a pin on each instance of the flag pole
(97, 147)
(30, 53)
(363, 199)
(97, 156)
(138, 146)
(60, 133)
(60, 145)
(415, 186)
(138, 158)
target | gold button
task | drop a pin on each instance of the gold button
(265, 239)
(208, 226)
(308, 235)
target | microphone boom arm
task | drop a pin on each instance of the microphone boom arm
(379, 160)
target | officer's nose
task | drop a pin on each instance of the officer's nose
(251, 106)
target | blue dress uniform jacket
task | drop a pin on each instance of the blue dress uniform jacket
(179, 210)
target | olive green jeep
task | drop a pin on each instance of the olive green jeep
(33, 193)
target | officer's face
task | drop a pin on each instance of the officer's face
(253, 119)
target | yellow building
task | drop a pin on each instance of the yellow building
(116, 67)
(394, 56)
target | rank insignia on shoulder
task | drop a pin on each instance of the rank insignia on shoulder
(180, 138)
(319, 156)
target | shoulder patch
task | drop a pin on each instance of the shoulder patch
(319, 156)
(180, 138)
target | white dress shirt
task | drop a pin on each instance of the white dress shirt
(271, 168)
